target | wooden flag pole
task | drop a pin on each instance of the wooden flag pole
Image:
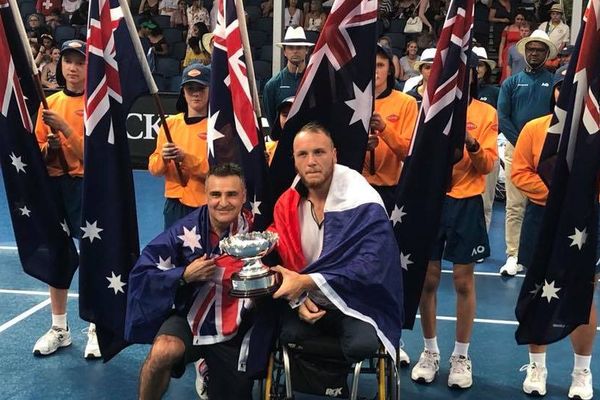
(139, 51)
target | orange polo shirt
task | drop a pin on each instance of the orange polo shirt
(468, 175)
(527, 157)
(400, 112)
(71, 109)
(192, 140)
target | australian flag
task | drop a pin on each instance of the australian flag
(109, 244)
(233, 133)
(437, 145)
(336, 89)
(557, 292)
(45, 248)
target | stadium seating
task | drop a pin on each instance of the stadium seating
(167, 67)
(178, 50)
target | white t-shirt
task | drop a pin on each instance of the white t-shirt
(292, 19)
(71, 6)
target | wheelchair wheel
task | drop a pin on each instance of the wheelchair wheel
(274, 387)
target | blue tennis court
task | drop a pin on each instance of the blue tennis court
(25, 315)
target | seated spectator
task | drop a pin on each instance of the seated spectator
(35, 27)
(292, 14)
(208, 42)
(47, 44)
(53, 20)
(70, 6)
(404, 8)
(416, 86)
(179, 16)
(167, 7)
(49, 70)
(407, 63)
(564, 55)
(266, 8)
(149, 7)
(387, 43)
(486, 90)
(80, 16)
(158, 43)
(385, 13)
(195, 52)
(315, 17)
(196, 12)
(555, 28)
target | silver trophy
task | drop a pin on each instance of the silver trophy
(255, 279)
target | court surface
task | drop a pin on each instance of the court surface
(25, 315)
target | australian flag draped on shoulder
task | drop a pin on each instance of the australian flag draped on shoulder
(437, 145)
(557, 292)
(336, 89)
(233, 134)
(45, 249)
(109, 244)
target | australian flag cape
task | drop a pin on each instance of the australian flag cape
(155, 292)
(359, 267)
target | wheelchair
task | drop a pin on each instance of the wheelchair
(278, 384)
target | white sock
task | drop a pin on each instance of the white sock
(59, 320)
(431, 345)
(461, 349)
(582, 362)
(538, 358)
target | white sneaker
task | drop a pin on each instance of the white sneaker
(581, 385)
(461, 373)
(92, 350)
(511, 268)
(535, 381)
(201, 379)
(51, 341)
(404, 359)
(427, 367)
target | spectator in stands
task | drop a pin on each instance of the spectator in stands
(179, 16)
(266, 8)
(516, 62)
(167, 7)
(543, 9)
(500, 16)
(47, 44)
(196, 52)
(208, 42)
(386, 42)
(432, 14)
(407, 63)
(284, 84)
(80, 16)
(385, 12)
(481, 24)
(555, 28)
(315, 17)
(196, 12)
(49, 70)
(292, 14)
(70, 6)
(510, 36)
(213, 15)
(35, 27)
(149, 7)
(565, 54)
(424, 67)
(158, 43)
(53, 20)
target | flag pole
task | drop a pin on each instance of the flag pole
(139, 51)
(241, 16)
(35, 73)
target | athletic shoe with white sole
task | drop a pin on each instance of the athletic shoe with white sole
(511, 267)
(581, 385)
(404, 359)
(461, 372)
(426, 368)
(51, 341)
(535, 381)
(201, 379)
(92, 350)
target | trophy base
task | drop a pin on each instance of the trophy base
(255, 286)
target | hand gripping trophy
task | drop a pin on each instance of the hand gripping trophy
(255, 279)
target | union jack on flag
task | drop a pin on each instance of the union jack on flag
(109, 244)
(558, 289)
(46, 249)
(233, 132)
(336, 90)
(437, 144)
